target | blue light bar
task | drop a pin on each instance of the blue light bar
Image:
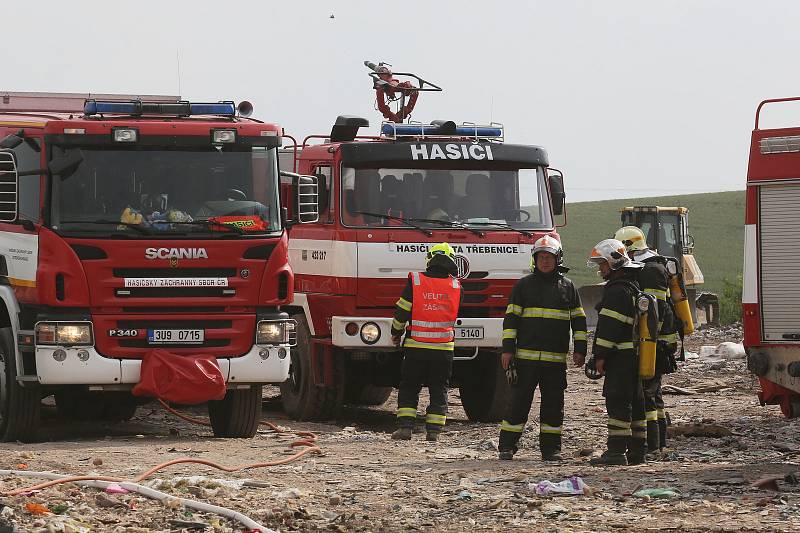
(93, 107)
(138, 107)
(221, 108)
(421, 130)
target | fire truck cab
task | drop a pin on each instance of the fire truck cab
(129, 224)
(384, 200)
(771, 279)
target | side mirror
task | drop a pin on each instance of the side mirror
(556, 184)
(66, 166)
(8, 186)
(306, 197)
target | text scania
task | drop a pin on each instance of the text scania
(451, 151)
(175, 253)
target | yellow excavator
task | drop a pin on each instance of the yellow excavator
(667, 232)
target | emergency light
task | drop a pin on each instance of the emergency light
(138, 107)
(422, 130)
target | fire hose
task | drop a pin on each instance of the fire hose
(307, 442)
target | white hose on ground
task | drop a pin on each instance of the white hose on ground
(243, 519)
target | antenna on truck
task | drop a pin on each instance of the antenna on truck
(389, 89)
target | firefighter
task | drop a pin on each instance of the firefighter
(430, 302)
(544, 306)
(654, 280)
(614, 355)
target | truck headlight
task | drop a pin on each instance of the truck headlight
(64, 333)
(223, 136)
(276, 332)
(370, 333)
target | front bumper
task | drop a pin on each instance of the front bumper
(492, 329)
(100, 370)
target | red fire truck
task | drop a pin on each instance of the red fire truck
(384, 200)
(134, 223)
(771, 280)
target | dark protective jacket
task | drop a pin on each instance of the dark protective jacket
(402, 310)
(654, 279)
(616, 316)
(541, 311)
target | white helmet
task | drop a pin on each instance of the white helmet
(549, 244)
(614, 252)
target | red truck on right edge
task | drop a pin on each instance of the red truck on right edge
(771, 292)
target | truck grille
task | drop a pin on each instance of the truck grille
(176, 292)
(142, 343)
(174, 324)
(174, 272)
(232, 334)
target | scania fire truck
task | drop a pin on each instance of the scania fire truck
(130, 224)
(771, 279)
(384, 200)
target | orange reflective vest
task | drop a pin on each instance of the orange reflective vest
(434, 310)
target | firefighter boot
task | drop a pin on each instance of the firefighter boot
(653, 436)
(614, 456)
(402, 433)
(432, 435)
(637, 447)
(507, 444)
(662, 432)
(507, 454)
(550, 446)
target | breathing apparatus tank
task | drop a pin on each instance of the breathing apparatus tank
(648, 334)
(677, 290)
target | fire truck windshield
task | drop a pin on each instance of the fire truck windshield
(489, 199)
(163, 192)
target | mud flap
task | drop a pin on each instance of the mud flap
(773, 394)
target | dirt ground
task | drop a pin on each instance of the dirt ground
(367, 482)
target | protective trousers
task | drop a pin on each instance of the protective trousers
(424, 367)
(622, 389)
(655, 414)
(551, 378)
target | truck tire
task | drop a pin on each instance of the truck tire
(236, 415)
(485, 392)
(366, 394)
(302, 399)
(19, 406)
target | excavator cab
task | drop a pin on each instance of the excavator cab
(667, 232)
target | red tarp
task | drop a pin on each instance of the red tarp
(180, 379)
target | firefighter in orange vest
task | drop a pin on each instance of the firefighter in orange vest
(430, 302)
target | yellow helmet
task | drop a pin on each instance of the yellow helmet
(632, 237)
(442, 248)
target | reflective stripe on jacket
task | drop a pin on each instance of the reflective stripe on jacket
(541, 311)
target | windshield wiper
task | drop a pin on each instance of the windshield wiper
(137, 227)
(213, 224)
(392, 217)
(451, 223)
(504, 225)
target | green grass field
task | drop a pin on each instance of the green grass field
(716, 221)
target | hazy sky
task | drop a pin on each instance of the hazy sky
(630, 98)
